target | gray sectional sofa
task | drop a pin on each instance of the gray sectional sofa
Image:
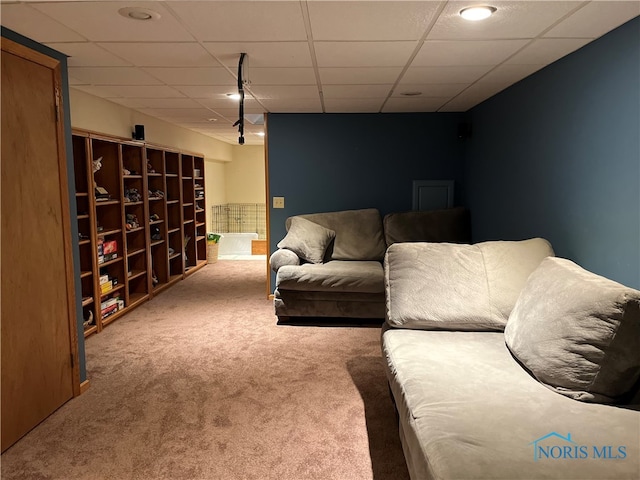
(330, 264)
(506, 362)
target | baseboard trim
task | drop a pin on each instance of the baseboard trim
(84, 386)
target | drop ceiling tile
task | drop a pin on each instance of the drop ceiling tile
(430, 89)
(234, 113)
(545, 51)
(36, 25)
(100, 21)
(163, 102)
(452, 53)
(359, 76)
(444, 74)
(75, 81)
(102, 92)
(507, 73)
(413, 104)
(281, 92)
(192, 75)
(595, 19)
(353, 105)
(152, 91)
(113, 76)
(474, 95)
(363, 54)
(134, 103)
(210, 91)
(235, 21)
(370, 20)
(513, 19)
(356, 91)
(261, 54)
(88, 55)
(280, 76)
(297, 105)
(192, 114)
(162, 54)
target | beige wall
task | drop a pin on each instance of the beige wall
(245, 176)
(233, 173)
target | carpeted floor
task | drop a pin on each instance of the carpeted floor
(202, 383)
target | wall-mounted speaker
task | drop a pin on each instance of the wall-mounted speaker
(138, 132)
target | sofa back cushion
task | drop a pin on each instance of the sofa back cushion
(576, 332)
(458, 287)
(358, 233)
(451, 225)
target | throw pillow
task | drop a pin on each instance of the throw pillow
(578, 333)
(308, 240)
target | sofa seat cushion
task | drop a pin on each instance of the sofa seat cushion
(333, 276)
(359, 234)
(577, 332)
(468, 410)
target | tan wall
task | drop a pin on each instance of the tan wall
(245, 176)
(89, 112)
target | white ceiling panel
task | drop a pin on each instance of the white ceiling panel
(240, 21)
(546, 51)
(88, 55)
(372, 21)
(262, 54)
(444, 74)
(30, 22)
(595, 19)
(193, 75)
(101, 22)
(284, 91)
(363, 54)
(452, 53)
(356, 91)
(113, 76)
(520, 19)
(353, 105)
(180, 64)
(440, 90)
(148, 91)
(413, 104)
(162, 54)
(281, 76)
(359, 75)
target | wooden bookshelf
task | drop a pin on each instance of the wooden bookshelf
(150, 199)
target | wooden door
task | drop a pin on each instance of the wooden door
(39, 349)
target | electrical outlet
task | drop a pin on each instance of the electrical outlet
(278, 202)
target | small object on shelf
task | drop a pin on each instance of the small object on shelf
(132, 221)
(83, 236)
(171, 251)
(101, 194)
(154, 217)
(156, 234)
(156, 194)
(96, 164)
(150, 168)
(132, 195)
(154, 278)
(88, 319)
(126, 171)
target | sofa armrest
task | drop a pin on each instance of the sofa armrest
(282, 257)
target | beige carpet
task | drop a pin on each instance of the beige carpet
(201, 383)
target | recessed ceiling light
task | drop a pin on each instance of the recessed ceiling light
(260, 134)
(212, 119)
(137, 13)
(410, 94)
(233, 96)
(477, 13)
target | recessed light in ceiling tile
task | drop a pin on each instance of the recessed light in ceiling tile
(410, 94)
(137, 13)
(477, 12)
(233, 96)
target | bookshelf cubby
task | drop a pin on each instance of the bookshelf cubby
(136, 203)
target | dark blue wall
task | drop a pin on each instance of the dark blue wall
(330, 162)
(558, 156)
(10, 34)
